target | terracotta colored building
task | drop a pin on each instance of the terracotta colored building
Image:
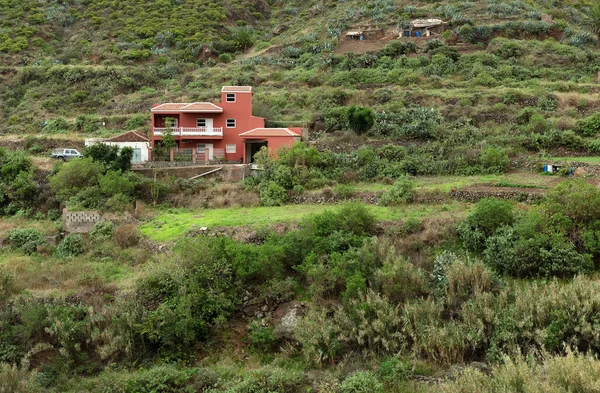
(222, 131)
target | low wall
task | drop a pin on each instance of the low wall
(227, 172)
(84, 221)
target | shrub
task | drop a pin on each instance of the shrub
(205, 379)
(495, 160)
(589, 126)
(225, 58)
(576, 199)
(159, 379)
(343, 191)
(7, 285)
(272, 194)
(336, 119)
(71, 246)
(26, 239)
(261, 337)
(361, 382)
(74, 176)
(509, 49)
(489, 215)
(127, 236)
(401, 192)
(360, 119)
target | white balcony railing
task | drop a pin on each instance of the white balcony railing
(191, 131)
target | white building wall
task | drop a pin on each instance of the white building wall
(144, 146)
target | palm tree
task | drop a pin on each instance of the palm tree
(593, 20)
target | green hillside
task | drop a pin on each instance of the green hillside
(413, 243)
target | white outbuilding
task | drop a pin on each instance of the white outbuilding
(134, 139)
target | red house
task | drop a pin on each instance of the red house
(222, 131)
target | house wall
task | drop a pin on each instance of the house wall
(240, 110)
(134, 145)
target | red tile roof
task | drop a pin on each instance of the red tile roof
(188, 107)
(131, 136)
(269, 132)
(237, 89)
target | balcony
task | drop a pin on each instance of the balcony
(191, 131)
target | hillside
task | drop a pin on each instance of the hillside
(413, 243)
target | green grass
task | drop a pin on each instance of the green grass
(590, 160)
(174, 223)
(447, 183)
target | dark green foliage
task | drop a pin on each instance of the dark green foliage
(75, 176)
(110, 156)
(71, 246)
(360, 119)
(402, 192)
(272, 194)
(19, 189)
(261, 337)
(488, 217)
(495, 160)
(160, 379)
(545, 255)
(589, 126)
(26, 240)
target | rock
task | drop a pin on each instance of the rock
(579, 172)
(264, 308)
(285, 319)
(246, 298)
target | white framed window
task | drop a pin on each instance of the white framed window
(230, 148)
(230, 97)
(200, 147)
(230, 123)
(200, 122)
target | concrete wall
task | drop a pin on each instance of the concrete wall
(227, 173)
(84, 221)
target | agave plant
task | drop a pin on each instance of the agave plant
(592, 22)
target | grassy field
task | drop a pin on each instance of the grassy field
(447, 183)
(590, 160)
(171, 224)
(9, 223)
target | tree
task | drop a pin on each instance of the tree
(360, 119)
(593, 20)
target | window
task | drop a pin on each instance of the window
(230, 123)
(200, 147)
(230, 97)
(230, 148)
(200, 122)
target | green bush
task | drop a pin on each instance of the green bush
(401, 192)
(361, 382)
(159, 379)
(272, 194)
(495, 160)
(489, 215)
(261, 337)
(26, 239)
(102, 231)
(589, 126)
(360, 119)
(225, 58)
(71, 246)
(75, 176)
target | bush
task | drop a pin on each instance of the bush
(401, 192)
(360, 119)
(361, 382)
(72, 245)
(127, 236)
(261, 337)
(589, 126)
(272, 194)
(102, 231)
(75, 176)
(495, 160)
(489, 215)
(7, 285)
(26, 239)
(225, 58)
(159, 379)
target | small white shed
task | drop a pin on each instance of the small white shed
(134, 139)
